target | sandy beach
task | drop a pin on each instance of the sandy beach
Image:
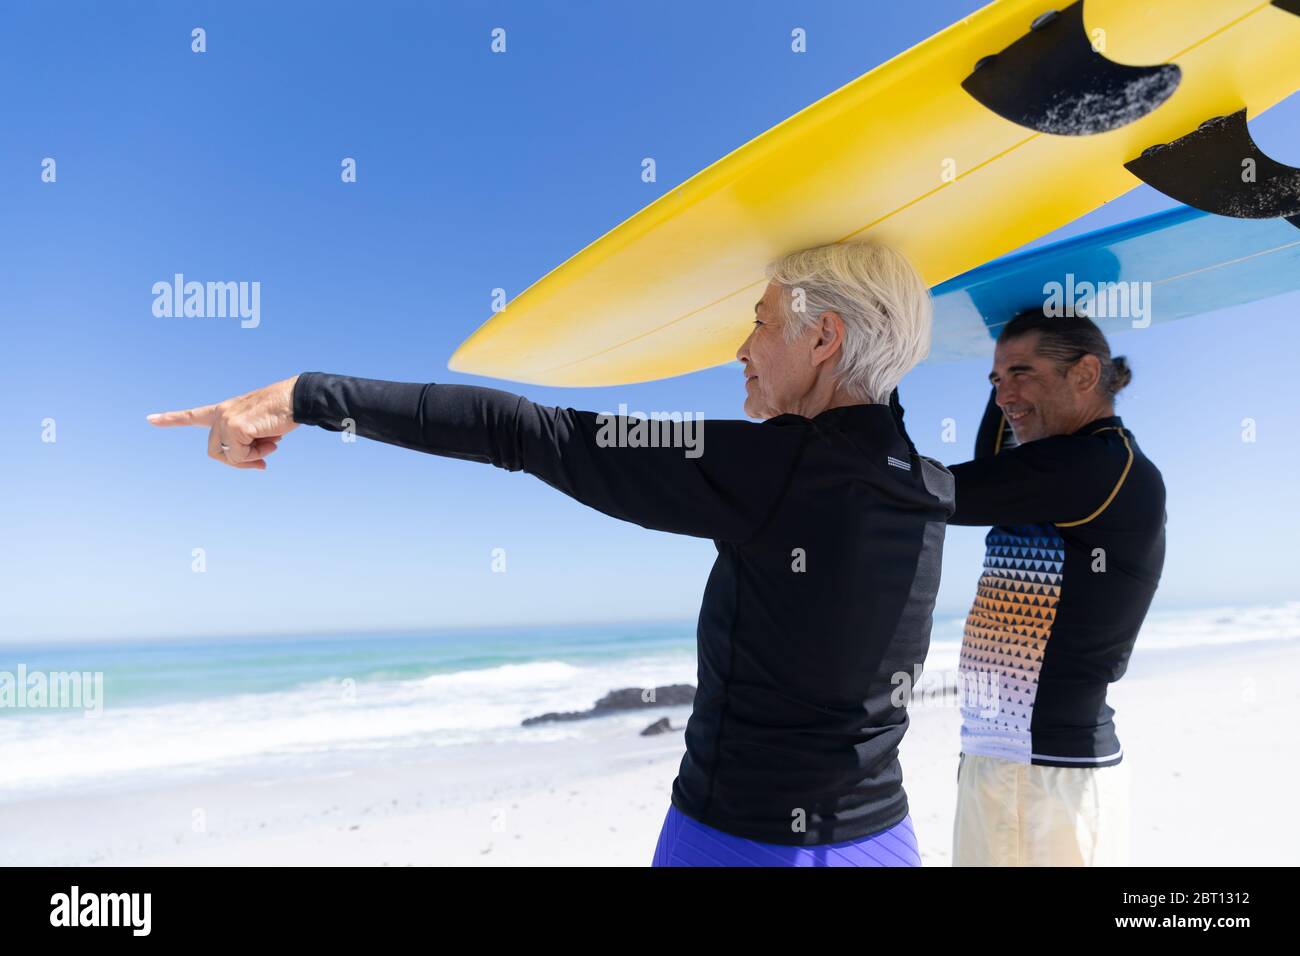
(1205, 729)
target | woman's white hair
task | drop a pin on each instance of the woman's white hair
(883, 301)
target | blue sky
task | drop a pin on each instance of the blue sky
(474, 171)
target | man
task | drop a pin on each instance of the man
(829, 532)
(1071, 565)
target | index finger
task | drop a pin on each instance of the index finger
(204, 415)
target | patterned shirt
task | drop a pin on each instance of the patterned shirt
(1071, 565)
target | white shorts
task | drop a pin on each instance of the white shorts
(1019, 814)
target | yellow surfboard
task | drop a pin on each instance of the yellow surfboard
(904, 155)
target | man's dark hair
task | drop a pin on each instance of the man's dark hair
(1068, 338)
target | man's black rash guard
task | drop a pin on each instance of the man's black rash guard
(829, 533)
(1070, 568)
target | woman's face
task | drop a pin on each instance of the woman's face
(778, 374)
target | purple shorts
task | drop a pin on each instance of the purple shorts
(687, 842)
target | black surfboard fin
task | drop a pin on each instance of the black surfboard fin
(1290, 6)
(1053, 81)
(1219, 168)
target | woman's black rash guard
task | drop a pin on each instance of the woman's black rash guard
(816, 616)
(1071, 565)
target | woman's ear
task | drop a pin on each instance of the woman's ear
(830, 336)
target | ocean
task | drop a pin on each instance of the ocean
(186, 708)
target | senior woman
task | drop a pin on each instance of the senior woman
(828, 526)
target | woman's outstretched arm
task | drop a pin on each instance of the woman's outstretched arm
(723, 485)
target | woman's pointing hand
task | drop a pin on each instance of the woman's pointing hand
(245, 429)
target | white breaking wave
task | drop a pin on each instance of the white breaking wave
(1172, 630)
(50, 748)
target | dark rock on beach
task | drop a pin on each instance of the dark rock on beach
(661, 726)
(627, 698)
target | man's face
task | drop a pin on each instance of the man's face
(778, 374)
(1037, 399)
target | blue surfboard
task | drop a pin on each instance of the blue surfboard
(1155, 269)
